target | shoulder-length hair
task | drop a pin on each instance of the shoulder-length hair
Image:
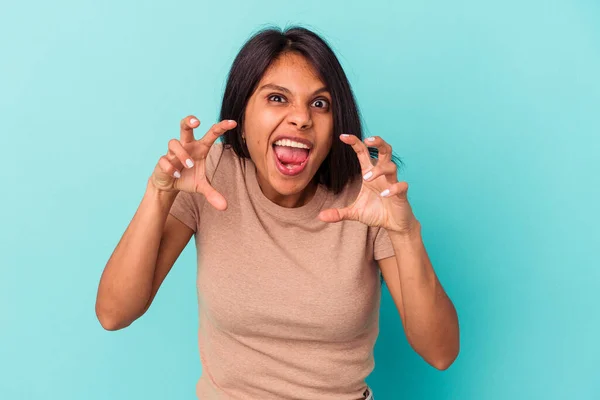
(341, 164)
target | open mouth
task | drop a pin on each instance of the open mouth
(291, 157)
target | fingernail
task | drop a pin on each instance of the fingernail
(370, 139)
(177, 174)
(385, 193)
(230, 121)
(193, 121)
(345, 135)
(189, 163)
(368, 175)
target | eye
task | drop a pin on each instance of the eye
(276, 98)
(321, 103)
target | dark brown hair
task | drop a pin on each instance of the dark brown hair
(341, 164)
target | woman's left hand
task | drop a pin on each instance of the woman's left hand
(382, 200)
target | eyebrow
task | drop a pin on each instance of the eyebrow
(286, 90)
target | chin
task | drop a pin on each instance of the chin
(289, 186)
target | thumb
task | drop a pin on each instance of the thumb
(335, 215)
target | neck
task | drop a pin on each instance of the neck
(291, 200)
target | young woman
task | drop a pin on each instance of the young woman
(294, 222)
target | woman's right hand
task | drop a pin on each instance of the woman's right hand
(184, 166)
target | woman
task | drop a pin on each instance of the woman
(293, 223)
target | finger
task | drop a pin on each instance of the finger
(172, 158)
(337, 215)
(388, 169)
(215, 198)
(188, 124)
(383, 148)
(176, 150)
(213, 134)
(360, 149)
(174, 161)
(399, 189)
(168, 168)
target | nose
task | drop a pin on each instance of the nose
(300, 117)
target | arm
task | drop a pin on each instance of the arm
(141, 261)
(154, 239)
(428, 315)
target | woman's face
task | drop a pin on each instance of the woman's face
(288, 127)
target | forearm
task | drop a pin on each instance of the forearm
(430, 317)
(126, 283)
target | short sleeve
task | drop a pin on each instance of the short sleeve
(382, 247)
(187, 207)
(186, 210)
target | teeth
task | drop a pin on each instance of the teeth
(290, 143)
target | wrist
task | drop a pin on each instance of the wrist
(164, 197)
(410, 233)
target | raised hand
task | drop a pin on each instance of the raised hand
(183, 167)
(382, 200)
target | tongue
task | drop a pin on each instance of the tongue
(291, 155)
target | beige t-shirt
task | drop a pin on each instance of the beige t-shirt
(288, 304)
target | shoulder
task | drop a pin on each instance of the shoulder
(213, 158)
(220, 157)
(221, 170)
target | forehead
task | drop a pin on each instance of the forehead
(292, 69)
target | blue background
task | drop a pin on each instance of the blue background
(493, 106)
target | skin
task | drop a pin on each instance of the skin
(428, 316)
(290, 100)
(297, 107)
(300, 107)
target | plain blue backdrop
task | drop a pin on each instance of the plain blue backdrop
(493, 106)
